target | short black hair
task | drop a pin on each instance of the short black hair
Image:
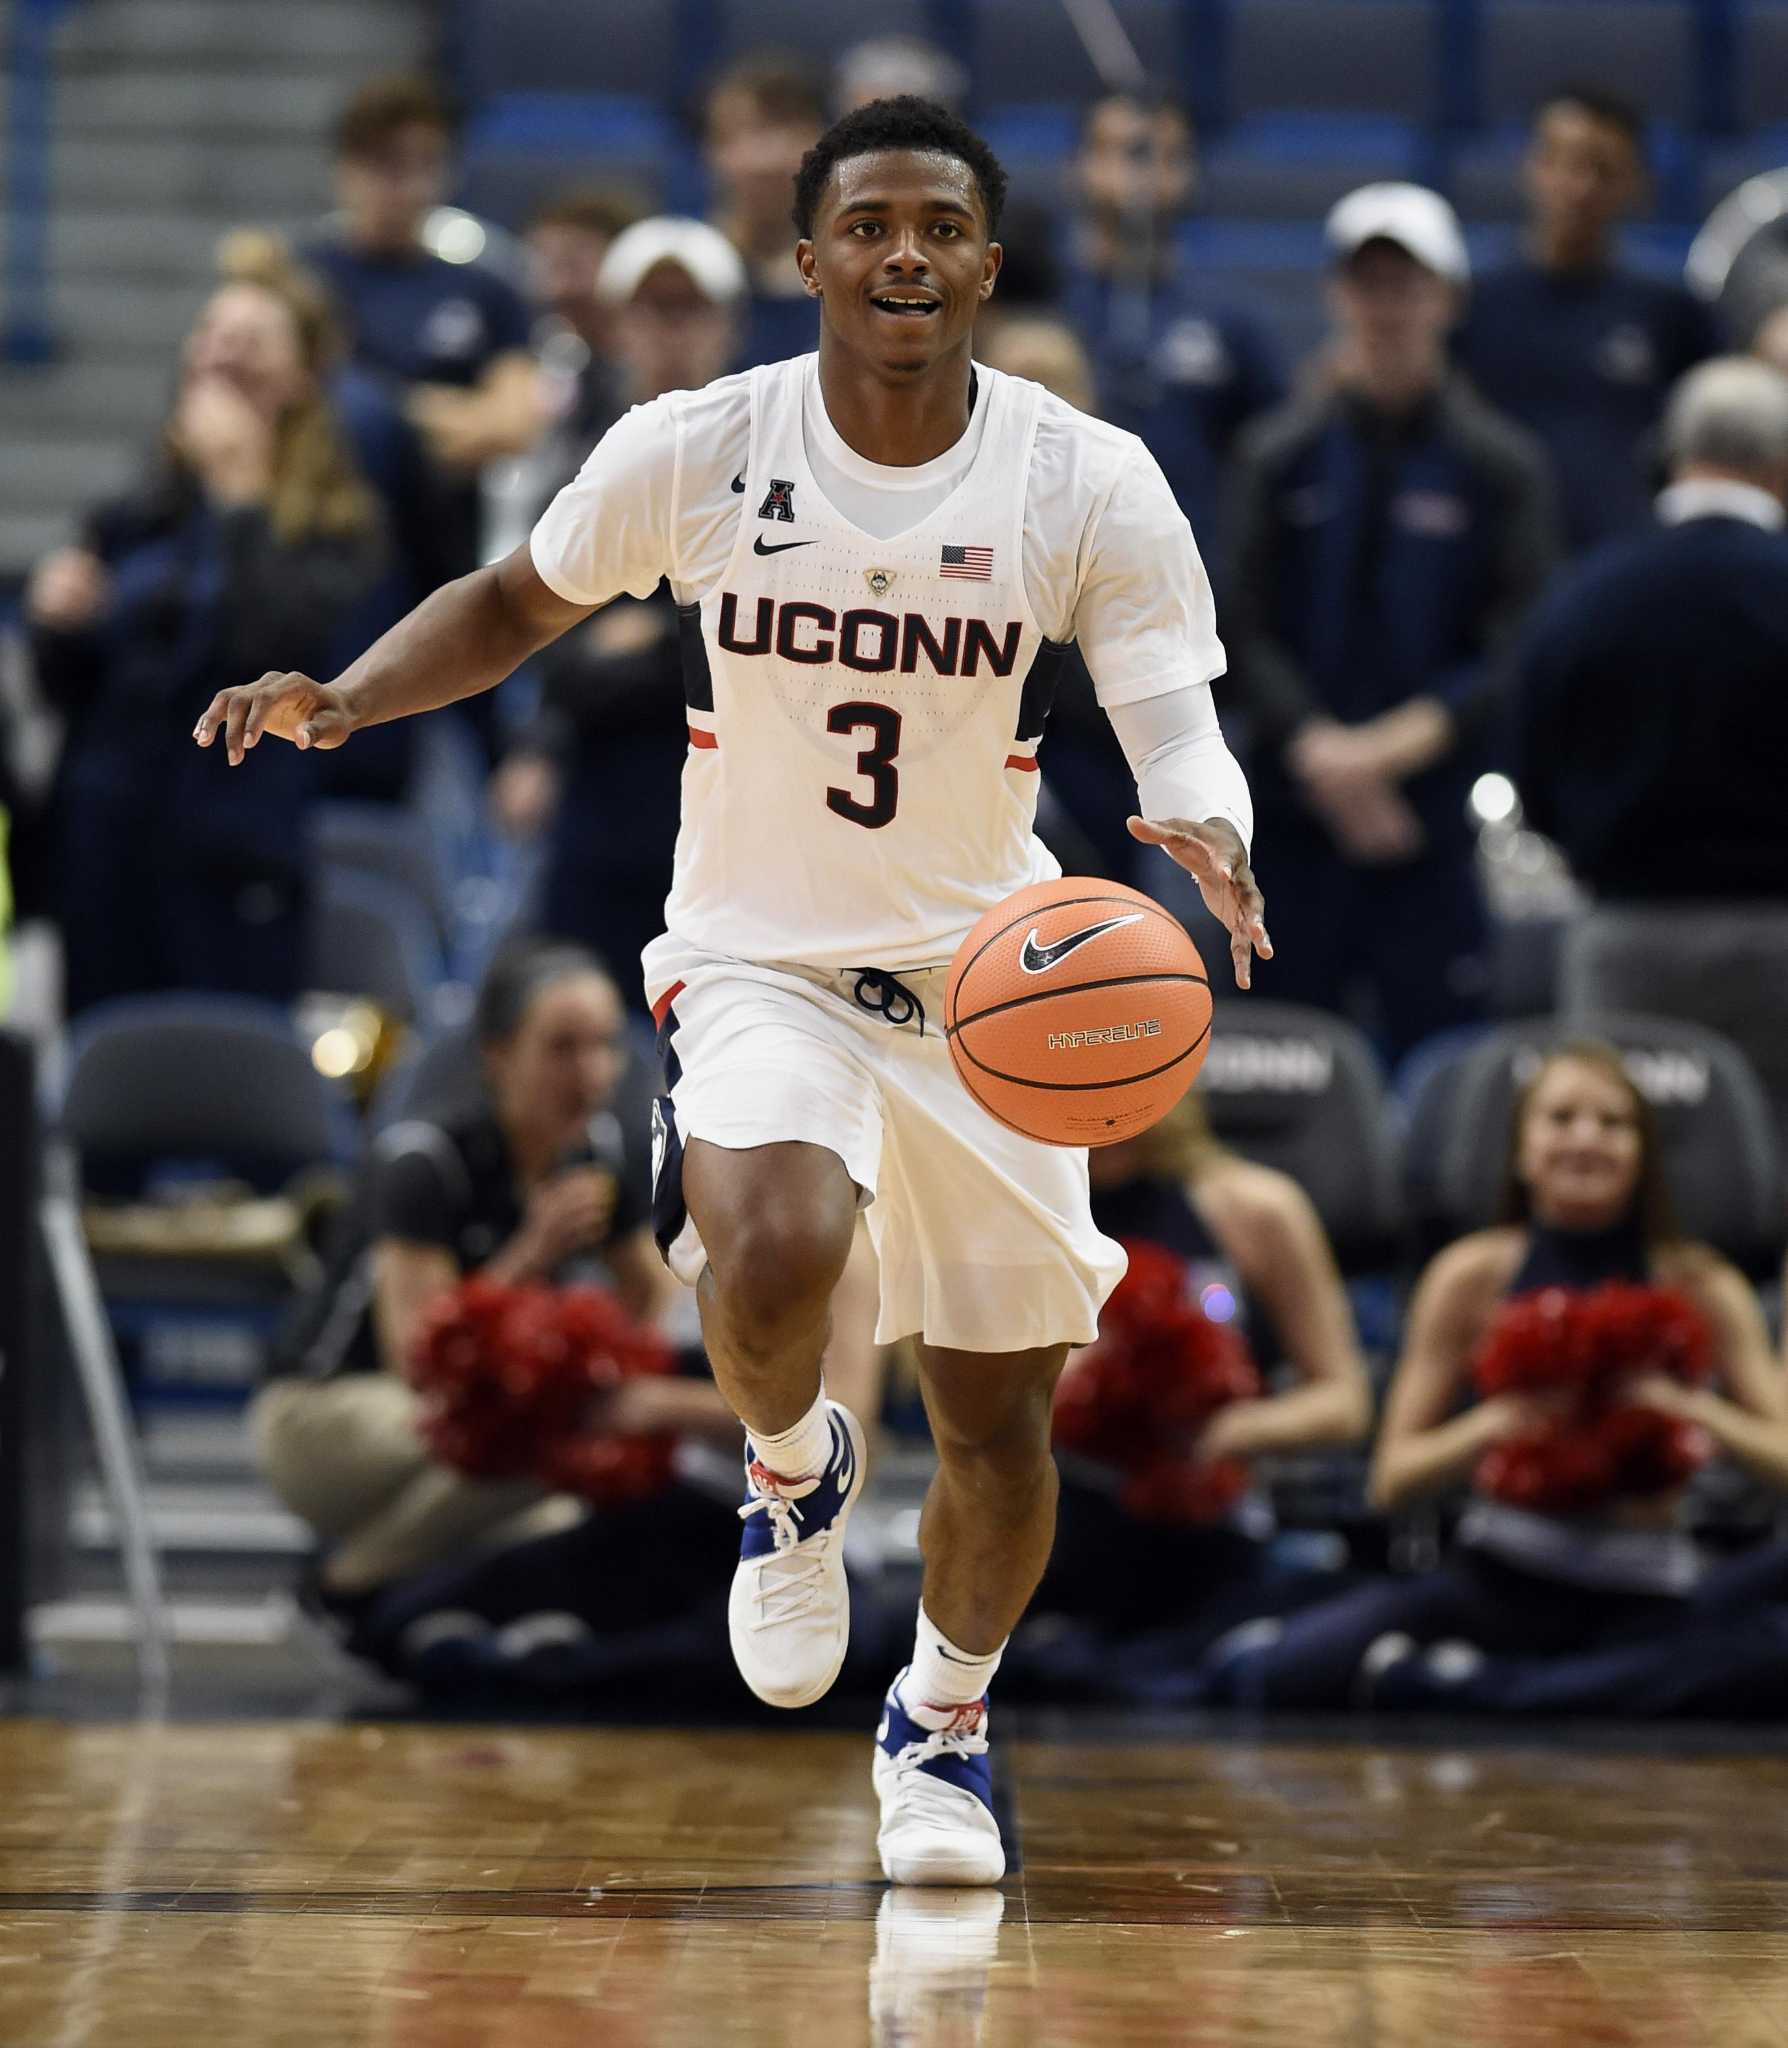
(904, 122)
(1606, 107)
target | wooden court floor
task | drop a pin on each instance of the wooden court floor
(291, 1885)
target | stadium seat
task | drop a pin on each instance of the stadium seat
(596, 46)
(742, 27)
(1295, 166)
(1648, 51)
(1761, 67)
(1359, 57)
(387, 842)
(197, 1078)
(370, 938)
(1300, 1090)
(1021, 51)
(1719, 1147)
(520, 149)
(1722, 965)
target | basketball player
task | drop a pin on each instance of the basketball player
(879, 554)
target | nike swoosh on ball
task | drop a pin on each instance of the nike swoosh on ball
(1035, 959)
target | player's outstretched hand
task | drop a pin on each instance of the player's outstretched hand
(1214, 856)
(289, 706)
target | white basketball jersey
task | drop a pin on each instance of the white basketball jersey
(863, 714)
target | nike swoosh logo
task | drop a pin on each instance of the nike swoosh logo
(948, 1659)
(760, 546)
(1035, 959)
(739, 482)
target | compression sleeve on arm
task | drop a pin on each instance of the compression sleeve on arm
(1183, 766)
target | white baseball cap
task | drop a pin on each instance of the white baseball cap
(703, 253)
(1418, 221)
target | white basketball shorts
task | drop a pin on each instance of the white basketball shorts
(985, 1239)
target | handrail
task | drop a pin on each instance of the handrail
(26, 334)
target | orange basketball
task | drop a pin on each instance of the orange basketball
(1077, 1012)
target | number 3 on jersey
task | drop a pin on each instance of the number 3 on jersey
(876, 761)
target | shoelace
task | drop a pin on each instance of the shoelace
(788, 1585)
(886, 995)
(958, 1742)
(926, 1798)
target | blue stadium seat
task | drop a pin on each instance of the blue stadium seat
(806, 27)
(1295, 166)
(1760, 93)
(372, 938)
(594, 46)
(523, 147)
(1646, 50)
(1300, 1090)
(1719, 1143)
(1332, 56)
(1271, 269)
(1026, 51)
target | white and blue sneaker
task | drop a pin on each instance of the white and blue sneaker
(936, 1791)
(790, 1611)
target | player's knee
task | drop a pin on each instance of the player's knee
(1004, 1454)
(776, 1276)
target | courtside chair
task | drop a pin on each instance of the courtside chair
(180, 1081)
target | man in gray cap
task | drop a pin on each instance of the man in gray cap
(1388, 535)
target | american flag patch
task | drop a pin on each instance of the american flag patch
(973, 564)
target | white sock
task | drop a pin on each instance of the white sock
(943, 1679)
(800, 1454)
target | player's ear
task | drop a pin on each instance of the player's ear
(990, 268)
(804, 264)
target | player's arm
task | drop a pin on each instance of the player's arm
(464, 639)
(1146, 621)
(607, 531)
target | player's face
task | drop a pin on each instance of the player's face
(1582, 173)
(1580, 1148)
(563, 1060)
(900, 257)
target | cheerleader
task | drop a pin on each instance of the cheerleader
(1567, 1545)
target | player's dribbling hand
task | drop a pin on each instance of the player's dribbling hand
(290, 707)
(1214, 856)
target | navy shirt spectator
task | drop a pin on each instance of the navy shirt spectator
(1172, 367)
(1567, 340)
(1389, 536)
(1651, 716)
(604, 761)
(253, 540)
(761, 117)
(452, 337)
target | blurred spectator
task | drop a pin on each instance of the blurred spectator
(1253, 1255)
(527, 1185)
(1569, 341)
(1389, 535)
(453, 336)
(884, 67)
(761, 117)
(605, 759)
(1174, 368)
(1651, 719)
(1585, 1206)
(567, 241)
(1651, 729)
(252, 537)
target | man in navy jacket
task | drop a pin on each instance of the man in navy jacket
(1389, 535)
(1651, 709)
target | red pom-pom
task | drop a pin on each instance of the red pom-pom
(509, 1376)
(1157, 1374)
(1589, 1345)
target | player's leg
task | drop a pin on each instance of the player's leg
(986, 1531)
(777, 1223)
